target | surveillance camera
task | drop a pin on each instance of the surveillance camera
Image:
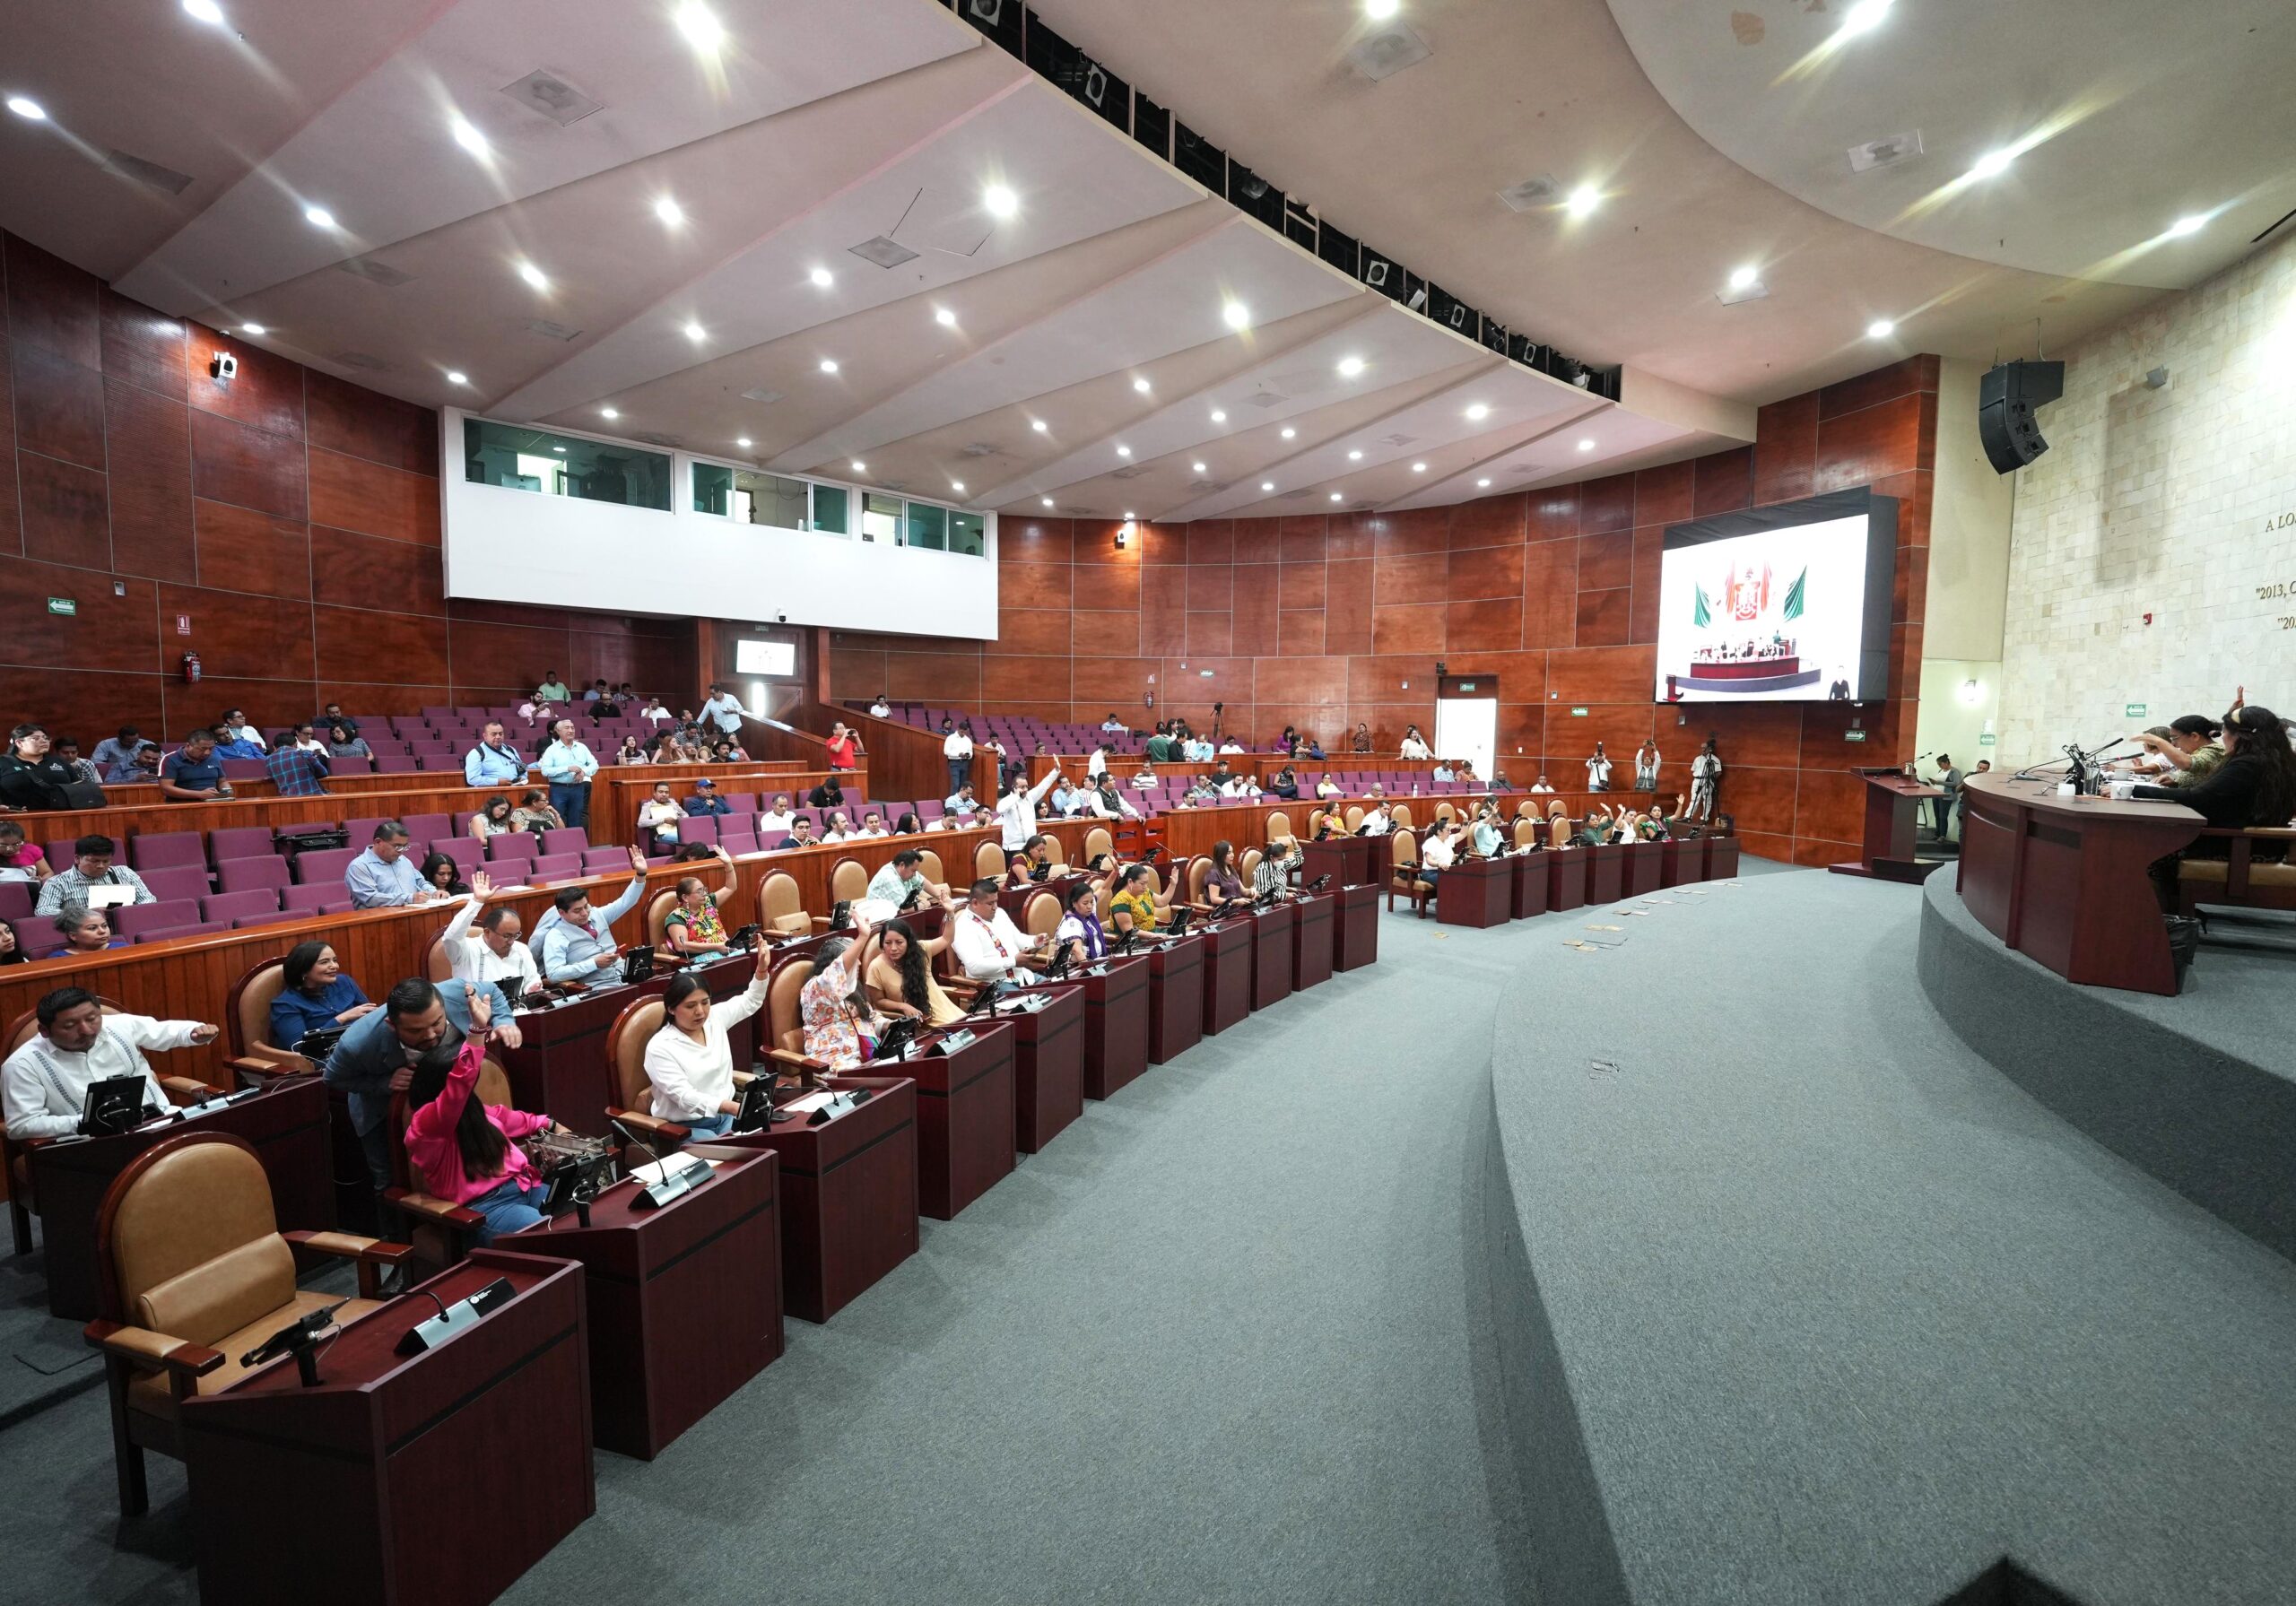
(223, 366)
(781, 618)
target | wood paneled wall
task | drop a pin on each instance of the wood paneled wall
(1322, 621)
(288, 519)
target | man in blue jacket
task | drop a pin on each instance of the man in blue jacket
(416, 1017)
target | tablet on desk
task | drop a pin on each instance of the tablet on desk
(108, 897)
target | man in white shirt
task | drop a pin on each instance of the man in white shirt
(44, 1085)
(1232, 746)
(1598, 771)
(873, 824)
(1016, 811)
(1239, 786)
(1097, 765)
(654, 713)
(238, 720)
(499, 952)
(1377, 823)
(776, 821)
(658, 817)
(569, 768)
(724, 710)
(989, 947)
(1542, 785)
(957, 749)
(881, 708)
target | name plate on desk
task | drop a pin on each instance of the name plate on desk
(1027, 1004)
(663, 1183)
(457, 1317)
(954, 1042)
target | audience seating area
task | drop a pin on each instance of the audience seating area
(436, 740)
(1019, 735)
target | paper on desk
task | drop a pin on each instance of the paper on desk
(809, 1102)
(650, 1175)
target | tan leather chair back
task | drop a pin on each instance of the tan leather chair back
(1527, 832)
(626, 1043)
(1040, 915)
(1249, 865)
(1400, 814)
(1404, 850)
(1199, 871)
(989, 861)
(847, 882)
(26, 1026)
(780, 905)
(1355, 816)
(1279, 824)
(251, 1005)
(783, 1004)
(1524, 807)
(1315, 821)
(1444, 810)
(657, 916)
(1098, 841)
(929, 866)
(193, 1246)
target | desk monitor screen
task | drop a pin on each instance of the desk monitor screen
(1779, 604)
(113, 1105)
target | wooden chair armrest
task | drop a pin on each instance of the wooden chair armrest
(434, 1210)
(346, 1245)
(798, 1062)
(253, 1073)
(187, 1089)
(652, 1126)
(741, 1079)
(147, 1350)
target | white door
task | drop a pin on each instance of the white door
(1467, 727)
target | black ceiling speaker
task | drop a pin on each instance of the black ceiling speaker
(2005, 400)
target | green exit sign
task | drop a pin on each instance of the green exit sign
(1986, 740)
(1853, 736)
(62, 604)
(1577, 712)
(2133, 710)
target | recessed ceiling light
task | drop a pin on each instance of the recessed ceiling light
(608, 412)
(1880, 328)
(457, 377)
(1267, 485)
(823, 278)
(468, 137)
(944, 317)
(700, 26)
(1124, 451)
(1583, 200)
(1199, 467)
(1349, 367)
(1586, 445)
(1039, 425)
(28, 110)
(253, 329)
(1335, 496)
(1379, 10)
(743, 441)
(1141, 386)
(1419, 468)
(1864, 18)
(1288, 431)
(2192, 223)
(1482, 485)
(1993, 163)
(1478, 413)
(203, 10)
(1355, 456)
(1001, 202)
(828, 365)
(695, 332)
(860, 467)
(666, 207)
(1218, 417)
(1237, 315)
(534, 275)
(1128, 516)
(1744, 278)
(1047, 502)
(956, 485)
(559, 449)
(318, 217)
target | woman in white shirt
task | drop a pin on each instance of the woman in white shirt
(689, 1061)
(1327, 787)
(1414, 745)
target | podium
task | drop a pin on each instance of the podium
(849, 1195)
(1048, 1065)
(1115, 1023)
(1175, 996)
(1347, 860)
(1685, 860)
(433, 1480)
(1228, 949)
(1355, 933)
(1892, 801)
(1721, 857)
(1530, 883)
(1311, 940)
(287, 1123)
(1273, 959)
(684, 1302)
(1135, 840)
(1476, 892)
(1645, 863)
(1566, 878)
(1606, 873)
(965, 1119)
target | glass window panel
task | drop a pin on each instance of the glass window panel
(879, 518)
(713, 489)
(929, 526)
(967, 534)
(525, 459)
(769, 499)
(830, 502)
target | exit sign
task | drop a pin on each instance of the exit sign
(1577, 712)
(62, 604)
(1853, 736)
(2133, 710)
(1986, 740)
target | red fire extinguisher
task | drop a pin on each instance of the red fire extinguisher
(191, 668)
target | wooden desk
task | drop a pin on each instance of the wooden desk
(288, 1124)
(2063, 879)
(1117, 1009)
(1566, 878)
(1311, 939)
(1606, 873)
(848, 1195)
(1685, 862)
(1175, 996)
(434, 1479)
(1475, 892)
(1646, 862)
(1530, 883)
(1047, 1064)
(965, 1120)
(684, 1302)
(1355, 934)
(1228, 948)
(1347, 860)
(1893, 803)
(1275, 932)
(1721, 857)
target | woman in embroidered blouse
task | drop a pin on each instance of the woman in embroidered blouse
(900, 977)
(841, 1026)
(463, 1151)
(494, 820)
(1079, 927)
(692, 926)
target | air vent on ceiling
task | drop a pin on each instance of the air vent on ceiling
(545, 92)
(550, 331)
(376, 273)
(359, 359)
(762, 395)
(894, 484)
(1131, 472)
(1202, 487)
(1084, 513)
(1532, 194)
(884, 251)
(980, 448)
(1397, 441)
(1264, 398)
(1293, 496)
(1386, 51)
(1884, 153)
(656, 438)
(147, 172)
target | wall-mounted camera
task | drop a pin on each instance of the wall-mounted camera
(222, 366)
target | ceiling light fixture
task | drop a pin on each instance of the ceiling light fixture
(534, 275)
(1199, 468)
(1863, 17)
(696, 333)
(1237, 315)
(318, 217)
(1745, 278)
(822, 278)
(828, 365)
(860, 467)
(1419, 468)
(1583, 200)
(1267, 485)
(1880, 328)
(666, 207)
(2191, 223)
(956, 485)
(1993, 163)
(608, 412)
(468, 137)
(1128, 516)
(1039, 425)
(1124, 451)
(1001, 202)
(253, 329)
(203, 10)
(1482, 485)
(1141, 386)
(1586, 445)
(1335, 496)
(944, 317)
(700, 26)
(1047, 502)
(1219, 417)
(457, 377)
(742, 441)
(1349, 367)
(1478, 413)
(30, 110)
(1355, 456)
(1379, 10)
(1289, 432)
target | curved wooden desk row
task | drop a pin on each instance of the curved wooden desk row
(1486, 892)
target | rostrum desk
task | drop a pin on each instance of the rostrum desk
(1312, 939)
(1566, 878)
(1276, 932)
(1116, 1007)
(1721, 857)
(432, 1480)
(287, 1124)
(1685, 860)
(1475, 892)
(848, 1192)
(684, 1301)
(1175, 995)
(1645, 863)
(1228, 948)
(965, 1119)
(1347, 860)
(1047, 1064)
(1355, 932)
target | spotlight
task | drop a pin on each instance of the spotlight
(1880, 328)
(318, 217)
(1379, 10)
(1141, 386)
(696, 333)
(1349, 367)
(701, 29)
(1583, 200)
(1993, 163)
(2193, 223)
(29, 109)
(1478, 413)
(1237, 315)
(1199, 468)
(957, 485)
(1267, 485)
(672, 214)
(1289, 432)
(1335, 496)
(1419, 468)
(743, 441)
(860, 467)
(533, 275)
(1218, 417)
(1001, 202)
(1863, 17)
(1355, 456)
(253, 329)
(1039, 425)
(1124, 451)
(1586, 445)
(608, 412)
(469, 138)
(1744, 278)
(1047, 502)
(457, 377)
(944, 317)
(828, 365)
(822, 278)
(1482, 485)
(204, 11)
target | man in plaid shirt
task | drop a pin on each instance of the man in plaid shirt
(296, 771)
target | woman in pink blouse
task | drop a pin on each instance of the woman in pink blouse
(463, 1149)
(842, 1025)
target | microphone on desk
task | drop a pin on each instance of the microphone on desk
(633, 1139)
